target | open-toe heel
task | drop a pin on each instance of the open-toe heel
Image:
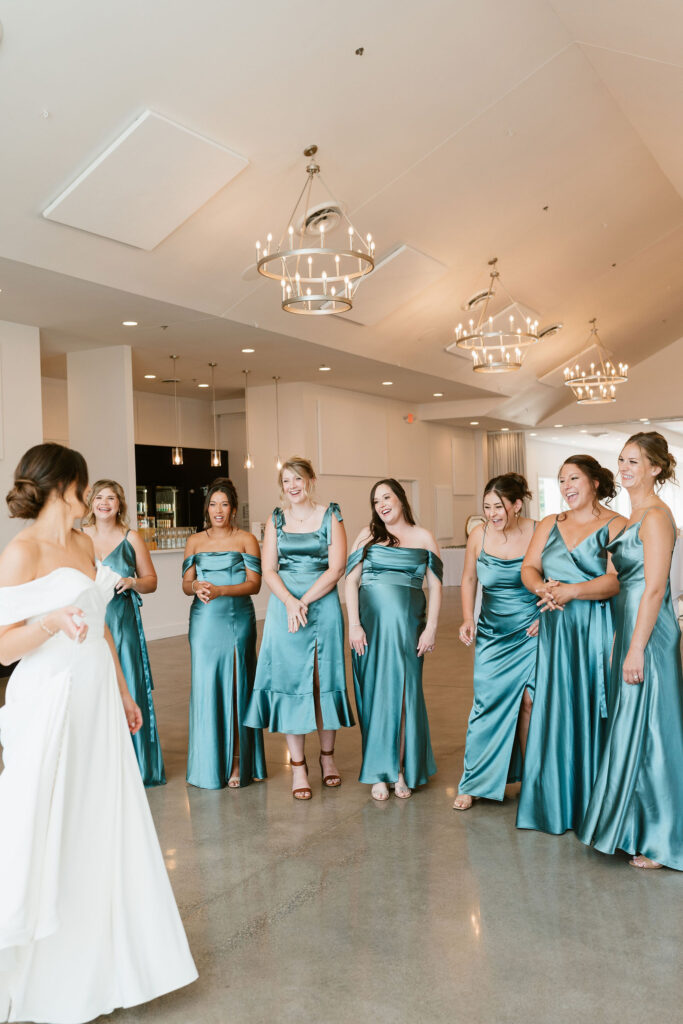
(304, 792)
(331, 781)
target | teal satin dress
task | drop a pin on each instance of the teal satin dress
(125, 623)
(637, 801)
(504, 667)
(283, 690)
(223, 649)
(392, 609)
(568, 718)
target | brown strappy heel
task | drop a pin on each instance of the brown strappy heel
(304, 792)
(331, 781)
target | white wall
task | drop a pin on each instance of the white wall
(21, 418)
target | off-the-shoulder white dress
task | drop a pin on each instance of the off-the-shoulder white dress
(88, 921)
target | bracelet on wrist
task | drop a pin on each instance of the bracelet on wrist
(46, 629)
(192, 586)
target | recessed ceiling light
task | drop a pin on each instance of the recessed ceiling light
(474, 423)
(504, 429)
(324, 369)
(248, 350)
(644, 419)
(532, 434)
(584, 431)
(150, 376)
(202, 385)
(129, 323)
(387, 383)
(558, 426)
(438, 394)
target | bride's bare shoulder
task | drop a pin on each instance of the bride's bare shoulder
(19, 561)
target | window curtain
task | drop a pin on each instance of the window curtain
(507, 453)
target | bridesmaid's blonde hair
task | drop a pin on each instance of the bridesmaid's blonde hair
(101, 485)
(303, 468)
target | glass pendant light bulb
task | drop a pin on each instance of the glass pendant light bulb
(216, 458)
(177, 455)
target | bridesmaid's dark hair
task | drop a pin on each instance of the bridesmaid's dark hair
(656, 451)
(512, 486)
(604, 485)
(221, 485)
(378, 531)
(43, 469)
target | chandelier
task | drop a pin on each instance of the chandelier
(317, 278)
(598, 386)
(496, 347)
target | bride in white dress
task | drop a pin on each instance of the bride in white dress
(88, 921)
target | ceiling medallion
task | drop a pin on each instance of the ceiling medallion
(599, 385)
(497, 346)
(317, 278)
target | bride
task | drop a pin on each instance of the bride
(88, 922)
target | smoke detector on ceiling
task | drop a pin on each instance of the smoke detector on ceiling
(326, 216)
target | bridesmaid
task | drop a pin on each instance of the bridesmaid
(506, 643)
(222, 569)
(300, 680)
(637, 802)
(389, 635)
(567, 566)
(124, 551)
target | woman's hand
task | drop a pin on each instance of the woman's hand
(467, 632)
(549, 597)
(533, 628)
(297, 613)
(133, 713)
(205, 591)
(427, 641)
(125, 583)
(633, 669)
(69, 620)
(358, 639)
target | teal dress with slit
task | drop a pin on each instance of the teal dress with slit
(125, 623)
(637, 801)
(283, 697)
(569, 715)
(223, 650)
(504, 667)
(392, 610)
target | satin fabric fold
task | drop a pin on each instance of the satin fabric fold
(125, 623)
(568, 726)
(223, 652)
(282, 700)
(392, 609)
(504, 667)
(637, 800)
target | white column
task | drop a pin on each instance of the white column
(101, 414)
(21, 415)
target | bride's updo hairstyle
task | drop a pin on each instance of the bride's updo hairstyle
(604, 485)
(42, 470)
(303, 468)
(656, 451)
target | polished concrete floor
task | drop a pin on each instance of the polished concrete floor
(343, 910)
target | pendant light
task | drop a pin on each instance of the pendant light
(248, 462)
(216, 457)
(176, 451)
(278, 461)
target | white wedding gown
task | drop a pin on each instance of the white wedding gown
(88, 921)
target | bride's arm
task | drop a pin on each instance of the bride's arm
(133, 713)
(18, 564)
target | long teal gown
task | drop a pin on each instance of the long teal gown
(223, 650)
(568, 718)
(125, 623)
(637, 801)
(283, 699)
(392, 609)
(504, 667)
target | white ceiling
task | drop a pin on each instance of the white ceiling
(451, 134)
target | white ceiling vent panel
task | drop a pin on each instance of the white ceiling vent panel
(396, 279)
(146, 183)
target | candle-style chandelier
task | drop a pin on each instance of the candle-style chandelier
(598, 384)
(317, 277)
(496, 347)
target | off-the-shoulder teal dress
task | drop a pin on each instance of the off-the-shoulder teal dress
(568, 718)
(223, 648)
(504, 667)
(125, 623)
(637, 801)
(282, 700)
(392, 608)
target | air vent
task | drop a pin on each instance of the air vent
(477, 299)
(547, 332)
(326, 216)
